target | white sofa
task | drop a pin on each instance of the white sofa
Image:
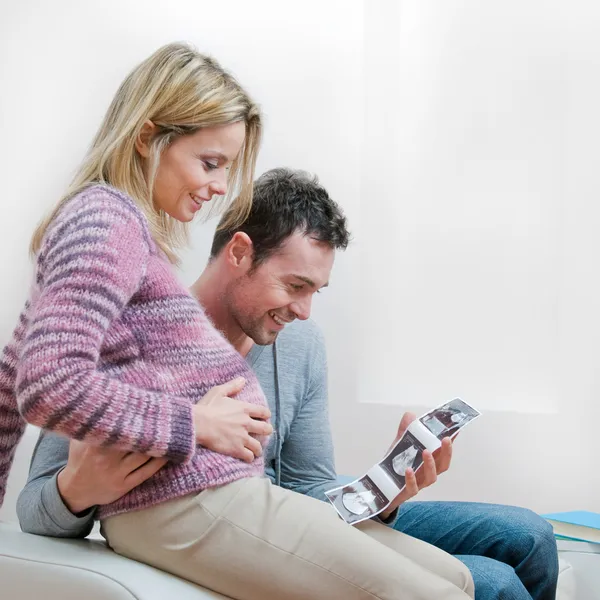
(33, 566)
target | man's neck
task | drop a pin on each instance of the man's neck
(208, 290)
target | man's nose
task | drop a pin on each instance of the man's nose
(301, 308)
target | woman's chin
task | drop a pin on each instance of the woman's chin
(187, 218)
(183, 216)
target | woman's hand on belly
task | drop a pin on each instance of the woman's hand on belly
(229, 426)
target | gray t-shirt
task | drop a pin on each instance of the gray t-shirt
(293, 375)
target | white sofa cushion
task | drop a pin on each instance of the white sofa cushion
(566, 579)
(583, 578)
(32, 566)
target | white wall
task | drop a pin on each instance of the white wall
(478, 237)
(474, 122)
(468, 181)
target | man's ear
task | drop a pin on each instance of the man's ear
(239, 252)
(142, 141)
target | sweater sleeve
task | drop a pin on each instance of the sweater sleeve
(90, 266)
(12, 425)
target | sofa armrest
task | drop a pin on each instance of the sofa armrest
(584, 560)
(32, 566)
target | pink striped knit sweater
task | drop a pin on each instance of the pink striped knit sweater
(112, 349)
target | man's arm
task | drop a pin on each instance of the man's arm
(40, 507)
(67, 480)
(307, 456)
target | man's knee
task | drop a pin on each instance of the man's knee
(529, 534)
(494, 579)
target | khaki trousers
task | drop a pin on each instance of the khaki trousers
(251, 540)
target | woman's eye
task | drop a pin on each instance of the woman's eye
(210, 166)
(296, 287)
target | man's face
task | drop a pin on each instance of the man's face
(280, 289)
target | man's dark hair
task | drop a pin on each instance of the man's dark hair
(286, 201)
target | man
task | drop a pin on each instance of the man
(257, 289)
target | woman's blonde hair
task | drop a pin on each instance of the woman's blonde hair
(180, 91)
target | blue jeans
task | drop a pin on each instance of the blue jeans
(511, 552)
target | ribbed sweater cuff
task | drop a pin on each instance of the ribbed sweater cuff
(182, 445)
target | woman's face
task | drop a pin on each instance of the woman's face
(194, 168)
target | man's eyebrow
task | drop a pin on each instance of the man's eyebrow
(309, 282)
